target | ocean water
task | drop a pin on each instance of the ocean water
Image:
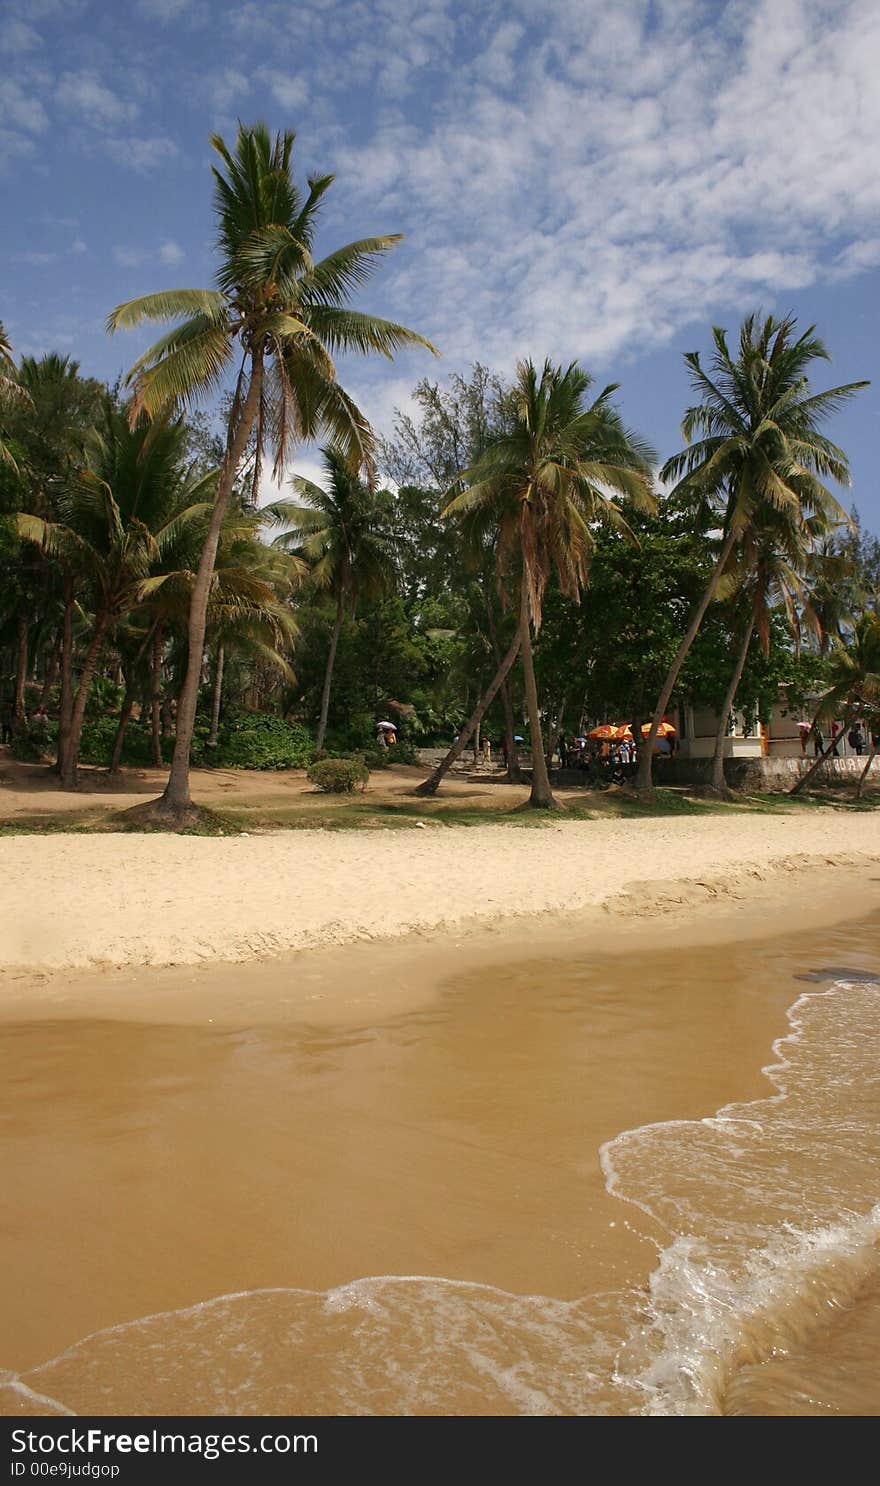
(723, 1260)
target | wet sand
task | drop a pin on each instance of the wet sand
(307, 1136)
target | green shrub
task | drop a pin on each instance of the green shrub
(99, 735)
(255, 740)
(378, 758)
(339, 776)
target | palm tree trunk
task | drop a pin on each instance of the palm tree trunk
(68, 776)
(66, 701)
(328, 677)
(514, 773)
(124, 720)
(21, 655)
(717, 782)
(217, 697)
(156, 699)
(541, 797)
(176, 798)
(51, 675)
(825, 754)
(646, 748)
(864, 774)
(430, 785)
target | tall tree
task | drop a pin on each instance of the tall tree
(12, 394)
(542, 484)
(753, 442)
(343, 533)
(275, 319)
(115, 516)
(854, 674)
(766, 575)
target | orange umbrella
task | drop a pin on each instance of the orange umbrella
(663, 730)
(605, 732)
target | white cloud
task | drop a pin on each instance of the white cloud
(21, 109)
(78, 246)
(141, 154)
(596, 183)
(164, 10)
(83, 93)
(17, 36)
(290, 90)
(171, 252)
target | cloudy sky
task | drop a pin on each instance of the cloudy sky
(574, 178)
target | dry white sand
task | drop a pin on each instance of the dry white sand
(77, 901)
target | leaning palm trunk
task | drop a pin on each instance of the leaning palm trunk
(176, 798)
(20, 672)
(429, 786)
(66, 701)
(51, 674)
(217, 698)
(646, 749)
(328, 677)
(823, 757)
(514, 773)
(717, 782)
(156, 700)
(69, 771)
(122, 728)
(541, 797)
(864, 774)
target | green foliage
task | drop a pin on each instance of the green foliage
(339, 776)
(255, 740)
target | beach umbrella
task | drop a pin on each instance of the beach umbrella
(665, 730)
(605, 732)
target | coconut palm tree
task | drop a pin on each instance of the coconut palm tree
(767, 572)
(342, 532)
(115, 518)
(543, 484)
(753, 442)
(12, 393)
(855, 686)
(274, 322)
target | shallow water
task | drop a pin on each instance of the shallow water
(564, 1187)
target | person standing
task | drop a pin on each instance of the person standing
(855, 739)
(7, 721)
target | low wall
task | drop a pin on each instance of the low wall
(762, 773)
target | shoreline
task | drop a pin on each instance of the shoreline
(89, 902)
(360, 979)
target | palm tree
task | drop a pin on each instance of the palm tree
(116, 516)
(12, 393)
(753, 442)
(343, 533)
(543, 483)
(855, 686)
(768, 573)
(274, 320)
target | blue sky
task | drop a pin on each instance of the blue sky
(575, 178)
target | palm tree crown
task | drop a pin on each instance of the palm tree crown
(272, 302)
(546, 481)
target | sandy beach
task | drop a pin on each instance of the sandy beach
(74, 901)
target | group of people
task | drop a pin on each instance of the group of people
(857, 738)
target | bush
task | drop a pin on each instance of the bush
(255, 740)
(99, 735)
(339, 776)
